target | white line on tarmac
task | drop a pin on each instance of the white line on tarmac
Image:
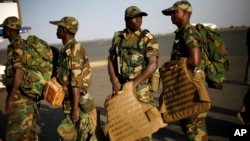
(95, 64)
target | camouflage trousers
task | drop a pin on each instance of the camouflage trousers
(80, 131)
(144, 95)
(22, 120)
(195, 127)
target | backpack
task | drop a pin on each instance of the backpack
(215, 56)
(56, 54)
(39, 67)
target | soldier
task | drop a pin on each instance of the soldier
(74, 74)
(133, 56)
(244, 112)
(247, 77)
(187, 44)
(19, 107)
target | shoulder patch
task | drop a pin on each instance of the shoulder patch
(68, 52)
(149, 36)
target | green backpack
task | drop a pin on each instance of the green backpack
(215, 57)
(39, 67)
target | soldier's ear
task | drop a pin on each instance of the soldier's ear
(8, 30)
(65, 30)
(187, 13)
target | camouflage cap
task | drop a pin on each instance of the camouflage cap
(69, 23)
(183, 4)
(133, 11)
(12, 22)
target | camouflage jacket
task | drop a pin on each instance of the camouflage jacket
(15, 59)
(73, 67)
(131, 54)
(186, 37)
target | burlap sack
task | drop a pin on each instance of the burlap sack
(53, 92)
(127, 118)
(184, 92)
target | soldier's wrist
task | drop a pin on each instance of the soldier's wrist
(73, 108)
(114, 80)
(8, 100)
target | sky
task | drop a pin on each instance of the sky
(99, 19)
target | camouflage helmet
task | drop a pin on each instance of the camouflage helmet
(12, 22)
(69, 23)
(183, 4)
(133, 11)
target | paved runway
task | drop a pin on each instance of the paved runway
(221, 117)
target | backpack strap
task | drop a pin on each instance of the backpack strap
(118, 43)
(199, 27)
(144, 33)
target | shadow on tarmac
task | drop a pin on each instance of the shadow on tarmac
(215, 127)
(48, 120)
(3, 124)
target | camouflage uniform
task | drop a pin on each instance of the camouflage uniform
(188, 37)
(244, 112)
(74, 71)
(133, 59)
(130, 52)
(22, 119)
(247, 77)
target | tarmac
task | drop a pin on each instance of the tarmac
(220, 120)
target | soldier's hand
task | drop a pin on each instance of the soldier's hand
(75, 115)
(116, 86)
(8, 106)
